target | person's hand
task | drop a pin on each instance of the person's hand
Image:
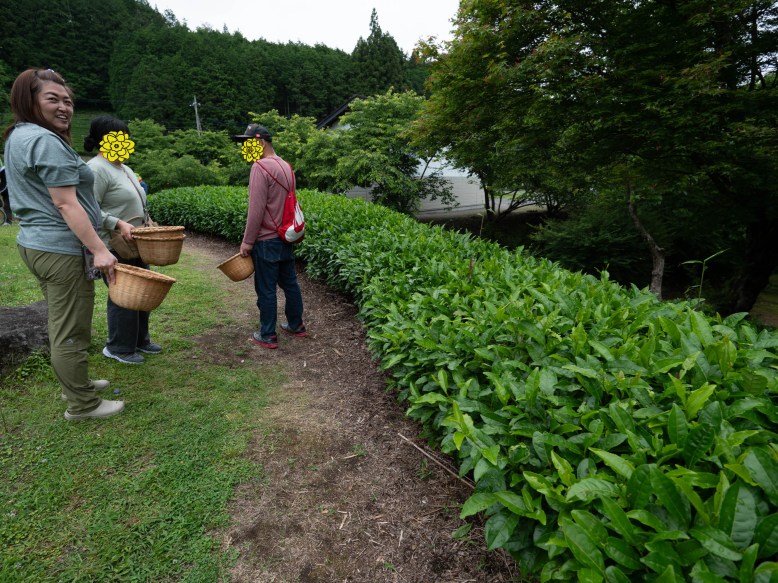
(245, 249)
(125, 229)
(105, 262)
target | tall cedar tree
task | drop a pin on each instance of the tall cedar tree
(378, 62)
(75, 38)
(663, 100)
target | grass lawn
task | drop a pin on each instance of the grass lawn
(135, 497)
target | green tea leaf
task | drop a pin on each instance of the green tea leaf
(639, 487)
(717, 542)
(648, 519)
(763, 469)
(589, 576)
(677, 426)
(766, 536)
(697, 444)
(619, 465)
(512, 502)
(670, 496)
(738, 515)
(702, 329)
(668, 576)
(583, 547)
(697, 400)
(693, 497)
(747, 566)
(765, 567)
(499, 528)
(591, 525)
(622, 553)
(477, 503)
(619, 521)
(590, 488)
(615, 575)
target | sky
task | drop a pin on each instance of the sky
(337, 23)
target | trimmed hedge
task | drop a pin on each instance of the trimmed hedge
(611, 436)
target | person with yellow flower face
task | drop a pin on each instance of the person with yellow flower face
(122, 205)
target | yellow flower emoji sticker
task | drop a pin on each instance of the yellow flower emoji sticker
(251, 150)
(117, 146)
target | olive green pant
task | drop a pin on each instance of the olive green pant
(71, 300)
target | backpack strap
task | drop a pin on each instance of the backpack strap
(282, 171)
(267, 210)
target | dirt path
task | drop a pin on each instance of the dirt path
(342, 498)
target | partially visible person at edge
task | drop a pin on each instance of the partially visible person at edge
(122, 205)
(273, 258)
(51, 192)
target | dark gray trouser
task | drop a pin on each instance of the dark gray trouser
(127, 329)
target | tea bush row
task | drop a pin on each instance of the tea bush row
(612, 437)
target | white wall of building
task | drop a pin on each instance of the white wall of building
(466, 189)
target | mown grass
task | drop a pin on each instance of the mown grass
(135, 497)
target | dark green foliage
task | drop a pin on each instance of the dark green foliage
(378, 61)
(601, 237)
(75, 38)
(662, 102)
(182, 158)
(156, 72)
(371, 149)
(612, 436)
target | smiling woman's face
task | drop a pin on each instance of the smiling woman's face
(55, 105)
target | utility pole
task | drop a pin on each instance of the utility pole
(197, 116)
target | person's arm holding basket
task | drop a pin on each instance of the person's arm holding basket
(64, 198)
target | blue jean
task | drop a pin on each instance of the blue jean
(274, 265)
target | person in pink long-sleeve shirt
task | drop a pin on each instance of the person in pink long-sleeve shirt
(271, 180)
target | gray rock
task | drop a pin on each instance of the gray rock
(22, 331)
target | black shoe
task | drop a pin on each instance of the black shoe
(150, 348)
(299, 331)
(266, 341)
(124, 357)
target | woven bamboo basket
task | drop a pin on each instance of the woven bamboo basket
(158, 232)
(139, 289)
(159, 251)
(237, 268)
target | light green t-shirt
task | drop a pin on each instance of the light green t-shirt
(118, 195)
(36, 160)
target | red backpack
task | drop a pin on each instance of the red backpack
(292, 228)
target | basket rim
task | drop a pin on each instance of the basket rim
(232, 258)
(158, 229)
(144, 273)
(144, 238)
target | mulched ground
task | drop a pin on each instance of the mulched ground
(343, 496)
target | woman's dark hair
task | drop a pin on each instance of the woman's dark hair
(101, 126)
(24, 100)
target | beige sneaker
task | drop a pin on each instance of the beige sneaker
(104, 409)
(99, 386)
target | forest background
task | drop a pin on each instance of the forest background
(656, 140)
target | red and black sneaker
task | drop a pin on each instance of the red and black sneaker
(266, 341)
(299, 331)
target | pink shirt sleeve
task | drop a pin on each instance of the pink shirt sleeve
(258, 188)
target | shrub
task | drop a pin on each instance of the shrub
(611, 436)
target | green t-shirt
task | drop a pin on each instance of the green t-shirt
(36, 160)
(117, 194)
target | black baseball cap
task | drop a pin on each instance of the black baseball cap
(254, 131)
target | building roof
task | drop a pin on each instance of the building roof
(340, 110)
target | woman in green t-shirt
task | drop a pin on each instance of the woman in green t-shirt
(50, 189)
(123, 207)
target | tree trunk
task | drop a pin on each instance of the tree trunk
(488, 201)
(759, 262)
(657, 252)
